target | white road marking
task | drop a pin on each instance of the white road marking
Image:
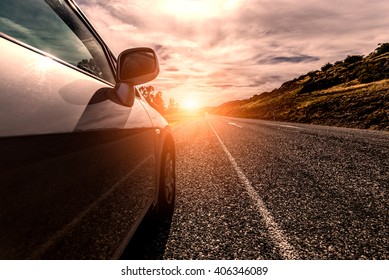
(234, 124)
(290, 126)
(276, 233)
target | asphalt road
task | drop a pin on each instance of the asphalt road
(250, 189)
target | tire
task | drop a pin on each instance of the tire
(167, 187)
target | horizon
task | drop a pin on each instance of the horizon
(212, 52)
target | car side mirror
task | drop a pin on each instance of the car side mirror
(137, 66)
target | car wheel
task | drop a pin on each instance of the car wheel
(167, 189)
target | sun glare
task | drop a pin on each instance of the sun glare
(198, 8)
(190, 104)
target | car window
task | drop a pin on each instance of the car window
(51, 26)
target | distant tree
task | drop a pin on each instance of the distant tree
(353, 59)
(159, 103)
(383, 48)
(172, 107)
(171, 103)
(148, 93)
(155, 100)
(326, 66)
(150, 88)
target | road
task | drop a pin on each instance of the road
(251, 189)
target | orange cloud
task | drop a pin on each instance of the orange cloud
(232, 49)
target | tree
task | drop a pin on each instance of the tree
(383, 48)
(350, 59)
(147, 92)
(159, 103)
(171, 104)
(172, 107)
(326, 66)
(155, 100)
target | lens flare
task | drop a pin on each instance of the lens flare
(190, 104)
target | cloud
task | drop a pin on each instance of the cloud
(172, 69)
(238, 48)
(287, 59)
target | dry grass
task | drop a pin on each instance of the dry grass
(350, 105)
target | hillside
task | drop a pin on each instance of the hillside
(353, 92)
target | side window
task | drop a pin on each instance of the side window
(51, 26)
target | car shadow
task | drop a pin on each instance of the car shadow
(149, 241)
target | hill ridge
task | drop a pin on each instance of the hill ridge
(353, 92)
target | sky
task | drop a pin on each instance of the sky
(215, 51)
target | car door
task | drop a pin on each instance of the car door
(77, 166)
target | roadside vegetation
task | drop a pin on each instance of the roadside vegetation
(172, 112)
(353, 92)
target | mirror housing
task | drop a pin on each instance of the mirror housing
(126, 93)
(137, 66)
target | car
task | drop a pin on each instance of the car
(83, 157)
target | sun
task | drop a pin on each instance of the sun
(195, 9)
(190, 104)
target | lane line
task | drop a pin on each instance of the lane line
(276, 234)
(234, 124)
(290, 126)
(257, 121)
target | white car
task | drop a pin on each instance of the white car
(83, 157)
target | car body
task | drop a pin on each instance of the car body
(83, 157)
